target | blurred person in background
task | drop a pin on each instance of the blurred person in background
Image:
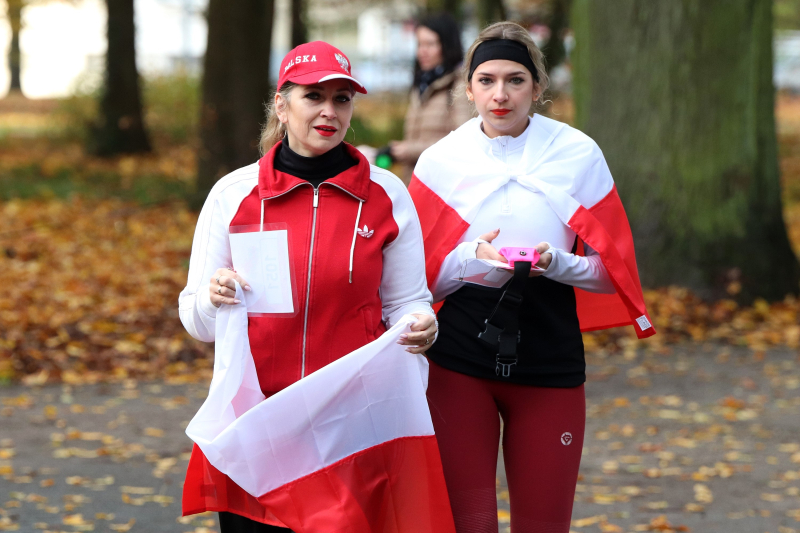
(434, 109)
(362, 282)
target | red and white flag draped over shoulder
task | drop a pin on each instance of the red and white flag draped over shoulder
(454, 176)
(347, 449)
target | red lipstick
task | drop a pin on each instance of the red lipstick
(501, 112)
(325, 131)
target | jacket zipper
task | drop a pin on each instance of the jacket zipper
(315, 205)
(506, 207)
(308, 283)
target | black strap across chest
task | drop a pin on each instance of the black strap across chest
(502, 326)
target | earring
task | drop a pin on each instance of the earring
(354, 135)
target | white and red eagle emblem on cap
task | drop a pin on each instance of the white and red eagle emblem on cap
(343, 62)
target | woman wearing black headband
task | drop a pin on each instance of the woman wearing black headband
(518, 353)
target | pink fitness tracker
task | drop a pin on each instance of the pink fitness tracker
(514, 254)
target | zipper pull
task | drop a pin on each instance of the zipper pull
(316, 198)
(505, 209)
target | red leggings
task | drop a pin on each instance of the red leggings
(542, 443)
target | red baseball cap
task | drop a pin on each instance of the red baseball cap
(316, 62)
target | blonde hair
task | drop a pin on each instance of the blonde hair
(513, 32)
(274, 130)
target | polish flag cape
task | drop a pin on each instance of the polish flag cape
(347, 449)
(455, 175)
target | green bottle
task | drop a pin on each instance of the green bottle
(384, 158)
(383, 161)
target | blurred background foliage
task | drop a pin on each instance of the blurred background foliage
(787, 14)
(170, 110)
(171, 103)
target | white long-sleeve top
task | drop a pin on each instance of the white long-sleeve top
(525, 219)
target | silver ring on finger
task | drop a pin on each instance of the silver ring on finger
(219, 290)
(218, 283)
(427, 341)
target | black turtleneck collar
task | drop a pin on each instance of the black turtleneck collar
(313, 169)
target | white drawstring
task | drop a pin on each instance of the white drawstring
(355, 233)
(262, 214)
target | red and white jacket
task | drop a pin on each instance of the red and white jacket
(456, 176)
(358, 264)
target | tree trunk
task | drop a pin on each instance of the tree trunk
(14, 55)
(121, 128)
(445, 6)
(554, 51)
(679, 96)
(235, 86)
(490, 11)
(299, 26)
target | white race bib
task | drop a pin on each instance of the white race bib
(262, 259)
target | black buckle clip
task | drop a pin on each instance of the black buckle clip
(512, 298)
(506, 367)
(491, 334)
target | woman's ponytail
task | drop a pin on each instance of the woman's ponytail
(274, 129)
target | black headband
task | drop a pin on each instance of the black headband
(503, 49)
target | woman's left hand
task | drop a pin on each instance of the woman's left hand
(422, 334)
(544, 259)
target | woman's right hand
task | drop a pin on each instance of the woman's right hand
(487, 251)
(223, 288)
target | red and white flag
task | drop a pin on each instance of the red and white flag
(453, 177)
(349, 448)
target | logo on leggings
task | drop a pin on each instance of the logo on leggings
(566, 438)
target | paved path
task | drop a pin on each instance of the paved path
(706, 438)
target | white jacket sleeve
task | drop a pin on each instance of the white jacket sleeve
(444, 284)
(210, 251)
(404, 289)
(587, 273)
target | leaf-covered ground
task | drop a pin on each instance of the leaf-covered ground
(704, 439)
(92, 292)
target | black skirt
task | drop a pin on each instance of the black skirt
(234, 523)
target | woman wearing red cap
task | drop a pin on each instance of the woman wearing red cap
(355, 244)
